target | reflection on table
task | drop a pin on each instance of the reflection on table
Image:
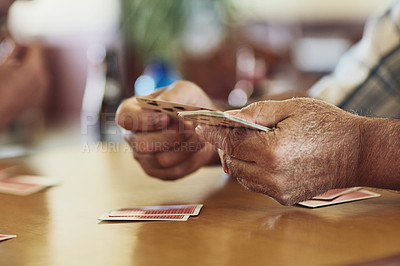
(237, 227)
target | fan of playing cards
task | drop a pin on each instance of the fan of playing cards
(198, 114)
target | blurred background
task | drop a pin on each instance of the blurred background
(100, 52)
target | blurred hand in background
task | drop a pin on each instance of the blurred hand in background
(24, 78)
(166, 147)
(24, 81)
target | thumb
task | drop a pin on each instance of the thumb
(186, 92)
(266, 113)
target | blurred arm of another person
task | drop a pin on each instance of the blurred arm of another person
(314, 147)
(164, 146)
(24, 82)
(365, 80)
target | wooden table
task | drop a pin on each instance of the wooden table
(59, 226)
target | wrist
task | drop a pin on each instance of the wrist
(379, 153)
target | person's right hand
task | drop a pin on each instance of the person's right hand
(164, 146)
(314, 147)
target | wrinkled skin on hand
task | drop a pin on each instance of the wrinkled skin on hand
(165, 147)
(314, 147)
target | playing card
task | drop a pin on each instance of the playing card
(9, 186)
(23, 185)
(218, 118)
(350, 196)
(170, 108)
(334, 193)
(7, 171)
(5, 237)
(196, 113)
(107, 217)
(159, 210)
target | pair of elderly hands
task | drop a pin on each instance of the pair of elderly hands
(314, 145)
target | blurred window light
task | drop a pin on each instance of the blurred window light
(237, 98)
(242, 91)
(308, 10)
(144, 85)
(318, 54)
(64, 17)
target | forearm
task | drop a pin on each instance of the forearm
(380, 153)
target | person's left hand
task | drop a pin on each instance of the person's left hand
(166, 147)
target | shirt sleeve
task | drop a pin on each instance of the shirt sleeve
(381, 35)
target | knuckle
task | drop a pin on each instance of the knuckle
(282, 200)
(125, 117)
(175, 173)
(249, 185)
(285, 193)
(167, 159)
(286, 200)
(181, 83)
(153, 172)
(176, 88)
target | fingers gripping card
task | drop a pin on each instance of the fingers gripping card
(170, 108)
(218, 118)
(197, 114)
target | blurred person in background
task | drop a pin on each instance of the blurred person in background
(24, 79)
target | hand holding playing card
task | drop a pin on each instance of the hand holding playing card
(165, 146)
(314, 147)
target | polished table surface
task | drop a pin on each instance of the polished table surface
(59, 226)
